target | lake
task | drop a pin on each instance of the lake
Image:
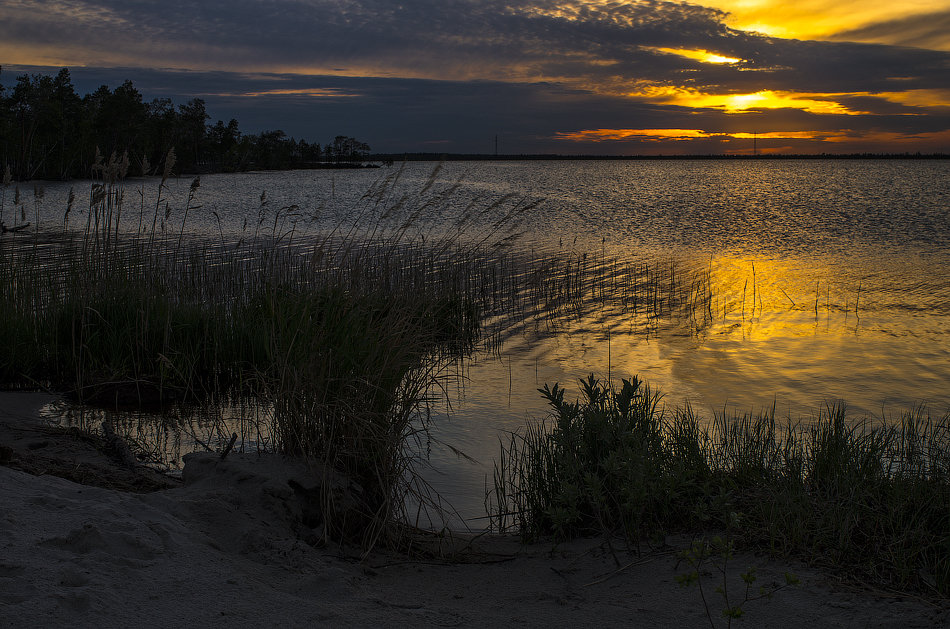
(821, 280)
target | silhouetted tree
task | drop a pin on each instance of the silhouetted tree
(222, 145)
(192, 118)
(32, 109)
(160, 131)
(346, 149)
(48, 131)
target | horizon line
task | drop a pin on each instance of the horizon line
(433, 155)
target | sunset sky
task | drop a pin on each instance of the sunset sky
(574, 76)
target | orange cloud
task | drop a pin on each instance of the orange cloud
(918, 98)
(739, 103)
(316, 92)
(607, 135)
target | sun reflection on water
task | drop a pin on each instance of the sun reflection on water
(733, 334)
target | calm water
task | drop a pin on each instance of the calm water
(830, 280)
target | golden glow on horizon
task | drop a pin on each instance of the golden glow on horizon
(817, 19)
(657, 135)
(904, 140)
(696, 54)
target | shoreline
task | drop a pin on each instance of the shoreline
(221, 548)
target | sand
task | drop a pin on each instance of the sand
(225, 548)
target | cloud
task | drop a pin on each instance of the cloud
(430, 38)
(909, 22)
(930, 30)
(467, 69)
(309, 92)
(602, 46)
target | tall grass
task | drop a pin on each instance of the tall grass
(872, 500)
(340, 339)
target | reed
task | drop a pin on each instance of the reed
(337, 340)
(866, 499)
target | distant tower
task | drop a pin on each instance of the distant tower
(496, 145)
(755, 150)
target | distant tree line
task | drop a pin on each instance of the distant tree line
(48, 131)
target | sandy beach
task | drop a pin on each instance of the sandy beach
(226, 548)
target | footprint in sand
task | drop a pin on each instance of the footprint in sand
(9, 571)
(73, 578)
(123, 548)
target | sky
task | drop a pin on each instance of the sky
(596, 77)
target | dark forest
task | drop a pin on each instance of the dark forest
(48, 131)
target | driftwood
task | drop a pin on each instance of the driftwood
(17, 228)
(230, 445)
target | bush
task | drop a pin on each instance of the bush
(869, 500)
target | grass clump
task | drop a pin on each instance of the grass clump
(590, 470)
(870, 500)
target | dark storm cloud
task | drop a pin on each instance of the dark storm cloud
(849, 67)
(294, 31)
(606, 46)
(882, 107)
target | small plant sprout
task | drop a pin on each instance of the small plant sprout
(717, 552)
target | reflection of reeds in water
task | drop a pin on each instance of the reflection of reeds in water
(160, 438)
(542, 293)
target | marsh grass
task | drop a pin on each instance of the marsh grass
(334, 342)
(339, 341)
(870, 500)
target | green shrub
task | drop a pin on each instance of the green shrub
(869, 500)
